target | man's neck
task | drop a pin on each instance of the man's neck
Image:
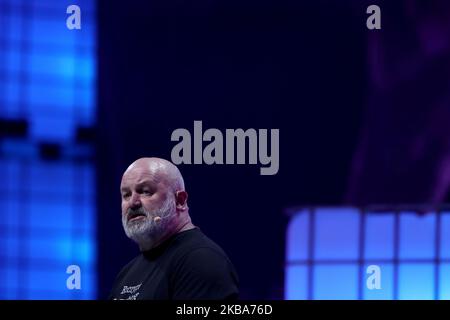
(187, 225)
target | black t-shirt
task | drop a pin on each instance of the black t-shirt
(188, 266)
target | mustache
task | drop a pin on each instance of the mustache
(131, 213)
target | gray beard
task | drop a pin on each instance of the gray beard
(146, 232)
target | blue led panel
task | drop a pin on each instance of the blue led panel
(346, 241)
(335, 281)
(444, 284)
(379, 236)
(417, 235)
(297, 237)
(48, 214)
(445, 235)
(337, 233)
(416, 281)
(296, 282)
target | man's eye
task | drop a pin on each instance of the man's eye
(147, 192)
(125, 195)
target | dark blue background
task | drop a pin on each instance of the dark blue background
(290, 65)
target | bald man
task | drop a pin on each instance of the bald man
(177, 261)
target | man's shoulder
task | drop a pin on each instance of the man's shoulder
(200, 252)
(202, 270)
(195, 241)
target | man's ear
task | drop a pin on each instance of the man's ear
(181, 200)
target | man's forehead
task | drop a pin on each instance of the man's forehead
(138, 175)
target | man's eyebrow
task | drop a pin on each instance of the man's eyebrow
(140, 184)
(145, 182)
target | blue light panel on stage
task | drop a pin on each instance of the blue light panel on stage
(329, 251)
(48, 80)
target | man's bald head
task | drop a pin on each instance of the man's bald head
(161, 170)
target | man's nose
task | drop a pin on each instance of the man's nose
(135, 201)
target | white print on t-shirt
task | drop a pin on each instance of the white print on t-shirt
(130, 290)
(132, 297)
